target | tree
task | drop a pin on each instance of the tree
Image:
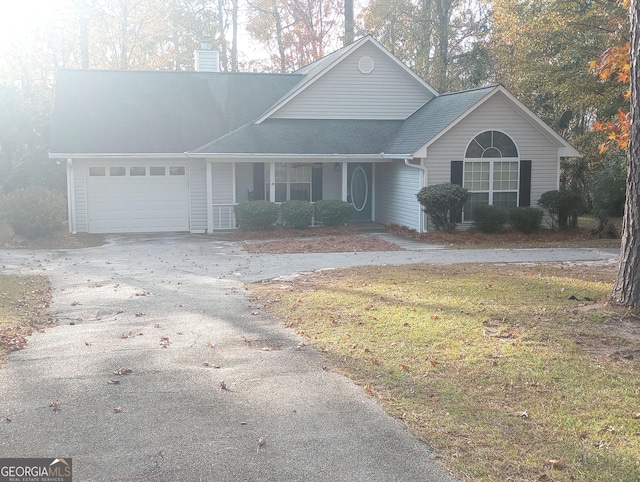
(626, 290)
(297, 32)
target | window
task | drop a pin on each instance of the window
(292, 182)
(157, 171)
(176, 170)
(97, 171)
(137, 171)
(117, 171)
(491, 170)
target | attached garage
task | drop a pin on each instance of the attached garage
(137, 198)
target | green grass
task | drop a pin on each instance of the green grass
(493, 366)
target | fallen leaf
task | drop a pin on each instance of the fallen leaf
(118, 410)
(404, 367)
(524, 414)
(223, 385)
(557, 464)
(261, 443)
(113, 381)
(375, 361)
(55, 406)
(123, 371)
(139, 313)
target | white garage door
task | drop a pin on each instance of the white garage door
(138, 198)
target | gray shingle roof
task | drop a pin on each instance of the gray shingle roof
(308, 136)
(432, 118)
(99, 111)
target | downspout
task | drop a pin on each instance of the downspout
(424, 179)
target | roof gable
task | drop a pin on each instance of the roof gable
(444, 112)
(334, 87)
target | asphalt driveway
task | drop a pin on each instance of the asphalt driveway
(162, 369)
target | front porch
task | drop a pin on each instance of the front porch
(230, 183)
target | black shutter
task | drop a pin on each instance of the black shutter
(456, 178)
(456, 172)
(525, 184)
(316, 184)
(258, 181)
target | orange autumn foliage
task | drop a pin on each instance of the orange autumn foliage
(615, 63)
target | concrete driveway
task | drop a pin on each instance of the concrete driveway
(173, 310)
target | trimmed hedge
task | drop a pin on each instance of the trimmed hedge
(526, 220)
(443, 203)
(490, 219)
(34, 212)
(333, 212)
(298, 214)
(563, 207)
(256, 214)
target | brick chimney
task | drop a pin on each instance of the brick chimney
(207, 60)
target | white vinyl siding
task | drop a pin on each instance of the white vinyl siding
(80, 188)
(388, 92)
(198, 196)
(498, 114)
(395, 196)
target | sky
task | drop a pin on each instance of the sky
(19, 18)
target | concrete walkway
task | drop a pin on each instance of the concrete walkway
(173, 310)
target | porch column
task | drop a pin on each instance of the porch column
(345, 178)
(209, 178)
(272, 182)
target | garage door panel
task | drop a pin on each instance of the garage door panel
(138, 203)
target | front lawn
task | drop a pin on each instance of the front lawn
(509, 372)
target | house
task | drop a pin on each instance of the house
(175, 151)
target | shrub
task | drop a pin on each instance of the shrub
(34, 212)
(443, 203)
(563, 207)
(333, 212)
(608, 189)
(256, 214)
(526, 220)
(298, 214)
(490, 219)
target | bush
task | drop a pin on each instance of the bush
(256, 214)
(443, 203)
(298, 214)
(34, 212)
(608, 189)
(333, 212)
(526, 220)
(490, 219)
(563, 207)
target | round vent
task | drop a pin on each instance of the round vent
(366, 64)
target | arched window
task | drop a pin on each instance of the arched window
(491, 171)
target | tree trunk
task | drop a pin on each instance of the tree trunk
(234, 39)
(224, 60)
(84, 34)
(124, 32)
(279, 39)
(348, 22)
(626, 290)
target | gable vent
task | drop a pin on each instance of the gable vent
(366, 64)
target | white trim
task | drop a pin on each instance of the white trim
(209, 181)
(348, 50)
(250, 157)
(71, 197)
(272, 182)
(564, 148)
(345, 179)
(373, 192)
